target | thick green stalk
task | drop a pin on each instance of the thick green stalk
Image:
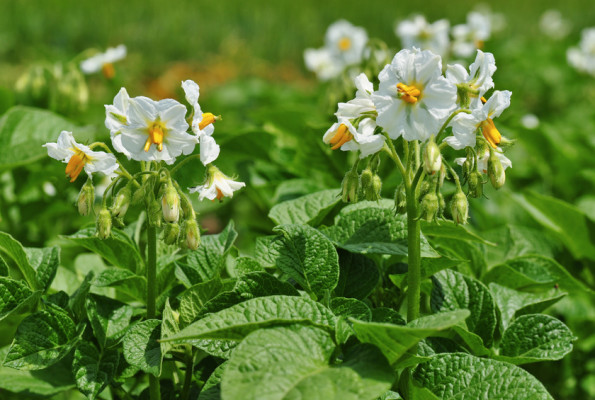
(151, 296)
(413, 256)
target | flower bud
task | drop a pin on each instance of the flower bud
(459, 207)
(441, 205)
(104, 224)
(475, 184)
(424, 188)
(121, 202)
(467, 168)
(372, 192)
(350, 186)
(86, 198)
(429, 206)
(496, 171)
(432, 157)
(366, 178)
(171, 233)
(170, 204)
(191, 234)
(154, 214)
(401, 199)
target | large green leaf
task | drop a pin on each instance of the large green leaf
(309, 209)
(309, 258)
(374, 228)
(42, 339)
(565, 221)
(92, 369)
(535, 337)
(15, 251)
(206, 262)
(448, 229)
(235, 322)
(16, 302)
(457, 376)
(193, 299)
(45, 262)
(516, 303)
(394, 340)
(296, 362)
(24, 130)
(142, 348)
(533, 272)
(109, 318)
(118, 249)
(358, 275)
(454, 291)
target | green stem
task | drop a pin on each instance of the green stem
(151, 296)
(445, 124)
(392, 152)
(413, 256)
(188, 374)
(184, 161)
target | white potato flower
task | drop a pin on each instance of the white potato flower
(345, 136)
(346, 41)
(417, 32)
(413, 99)
(217, 186)
(156, 131)
(583, 57)
(321, 62)
(465, 126)
(80, 157)
(553, 25)
(104, 61)
(362, 103)
(116, 117)
(202, 124)
(471, 36)
(477, 81)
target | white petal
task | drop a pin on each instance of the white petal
(498, 102)
(192, 91)
(209, 150)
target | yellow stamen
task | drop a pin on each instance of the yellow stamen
(76, 163)
(344, 44)
(207, 119)
(483, 100)
(409, 94)
(219, 195)
(156, 135)
(108, 70)
(491, 133)
(479, 44)
(341, 137)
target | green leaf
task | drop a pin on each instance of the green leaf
(388, 315)
(109, 319)
(472, 256)
(212, 387)
(42, 339)
(513, 303)
(532, 272)
(119, 250)
(455, 291)
(309, 258)
(267, 250)
(206, 262)
(294, 362)
(245, 265)
(448, 229)
(309, 209)
(235, 322)
(93, 370)
(535, 337)
(565, 221)
(370, 227)
(15, 251)
(395, 340)
(193, 300)
(142, 348)
(358, 275)
(111, 277)
(345, 308)
(24, 130)
(45, 262)
(3, 266)
(78, 299)
(461, 376)
(16, 302)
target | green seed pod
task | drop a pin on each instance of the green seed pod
(475, 184)
(496, 171)
(121, 202)
(350, 186)
(104, 224)
(432, 157)
(429, 206)
(171, 233)
(86, 198)
(459, 208)
(401, 199)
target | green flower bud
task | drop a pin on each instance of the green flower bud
(350, 186)
(366, 178)
(372, 192)
(401, 199)
(475, 183)
(154, 213)
(429, 206)
(86, 198)
(496, 171)
(459, 208)
(191, 234)
(171, 233)
(441, 205)
(104, 224)
(432, 157)
(374, 162)
(121, 202)
(170, 204)
(467, 168)
(424, 188)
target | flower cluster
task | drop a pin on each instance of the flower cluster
(344, 46)
(154, 133)
(583, 57)
(104, 62)
(414, 101)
